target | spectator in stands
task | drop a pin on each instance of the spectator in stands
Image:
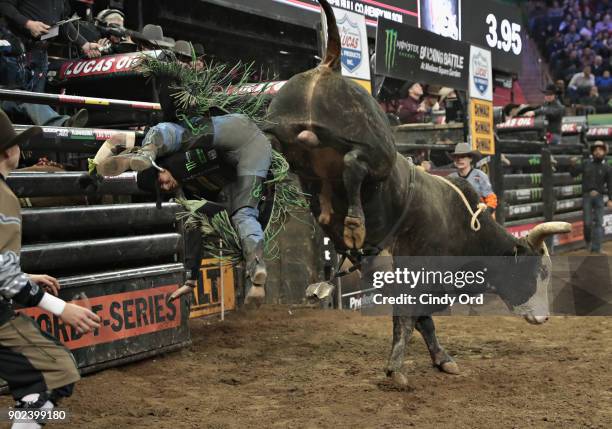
(588, 56)
(586, 32)
(599, 67)
(581, 83)
(600, 45)
(595, 101)
(570, 65)
(555, 13)
(566, 23)
(39, 370)
(561, 93)
(463, 158)
(411, 109)
(604, 84)
(604, 26)
(572, 35)
(596, 181)
(554, 111)
(30, 19)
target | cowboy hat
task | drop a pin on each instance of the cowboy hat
(600, 144)
(551, 89)
(183, 48)
(155, 35)
(462, 149)
(8, 136)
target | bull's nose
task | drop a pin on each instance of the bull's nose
(536, 320)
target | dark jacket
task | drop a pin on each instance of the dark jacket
(596, 175)
(50, 12)
(14, 284)
(554, 113)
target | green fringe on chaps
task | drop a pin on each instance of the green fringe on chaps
(220, 237)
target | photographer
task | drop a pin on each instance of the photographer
(110, 23)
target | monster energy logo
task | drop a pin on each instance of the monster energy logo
(390, 47)
(190, 165)
(536, 194)
(193, 161)
(536, 179)
(535, 160)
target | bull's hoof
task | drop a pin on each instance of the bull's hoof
(399, 379)
(354, 232)
(325, 218)
(449, 367)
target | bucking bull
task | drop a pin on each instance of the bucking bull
(367, 196)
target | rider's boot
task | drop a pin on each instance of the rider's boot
(139, 160)
(256, 271)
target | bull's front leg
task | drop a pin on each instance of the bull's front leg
(325, 202)
(441, 360)
(402, 331)
(355, 171)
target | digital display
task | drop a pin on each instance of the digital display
(495, 26)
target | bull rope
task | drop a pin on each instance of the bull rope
(474, 223)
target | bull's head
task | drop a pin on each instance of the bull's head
(534, 267)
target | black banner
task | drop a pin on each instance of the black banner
(307, 12)
(494, 26)
(409, 53)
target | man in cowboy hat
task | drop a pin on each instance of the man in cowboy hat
(463, 157)
(37, 368)
(596, 180)
(554, 111)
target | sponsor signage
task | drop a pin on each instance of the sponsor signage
(408, 53)
(599, 132)
(207, 295)
(84, 133)
(481, 74)
(307, 12)
(497, 26)
(518, 122)
(481, 126)
(570, 128)
(354, 59)
(124, 315)
(122, 63)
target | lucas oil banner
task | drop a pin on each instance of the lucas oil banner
(355, 57)
(409, 53)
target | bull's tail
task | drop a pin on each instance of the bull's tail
(332, 54)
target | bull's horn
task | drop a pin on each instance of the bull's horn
(536, 236)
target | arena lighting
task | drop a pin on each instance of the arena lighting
(284, 52)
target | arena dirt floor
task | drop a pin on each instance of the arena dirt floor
(302, 368)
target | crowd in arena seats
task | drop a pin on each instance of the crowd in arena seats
(575, 38)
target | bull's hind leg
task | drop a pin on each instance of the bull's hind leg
(402, 331)
(441, 360)
(355, 171)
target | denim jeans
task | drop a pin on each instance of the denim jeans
(247, 225)
(30, 74)
(593, 210)
(167, 136)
